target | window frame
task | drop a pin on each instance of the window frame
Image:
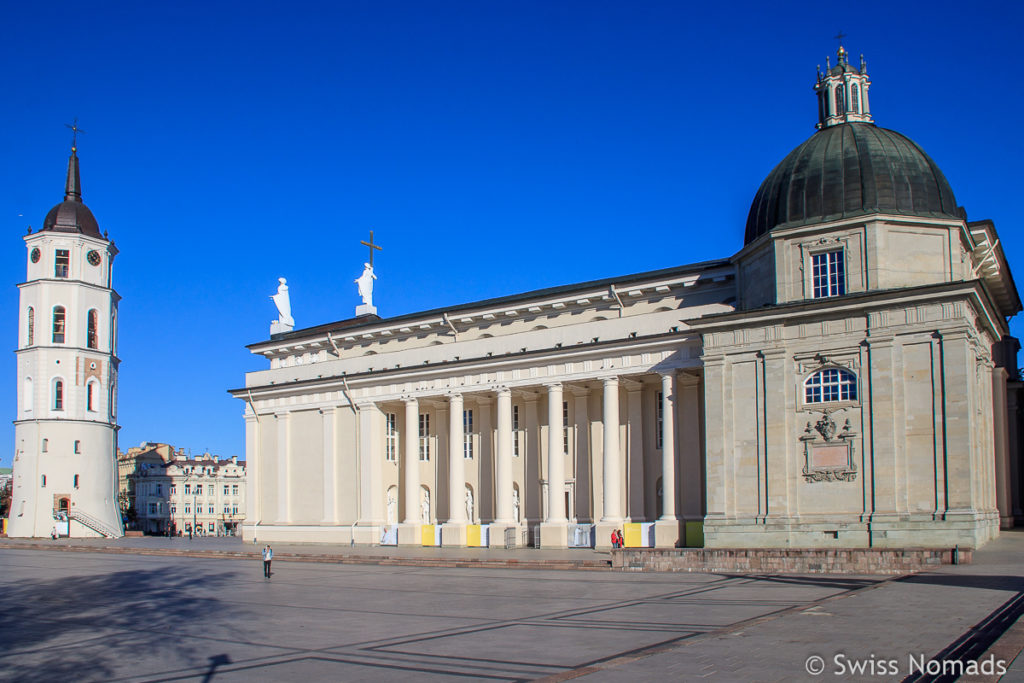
(60, 324)
(390, 437)
(844, 388)
(467, 434)
(424, 437)
(832, 281)
(62, 270)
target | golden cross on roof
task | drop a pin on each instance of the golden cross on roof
(372, 246)
(75, 130)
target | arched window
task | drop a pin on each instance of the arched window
(840, 99)
(31, 326)
(28, 396)
(90, 396)
(46, 445)
(58, 394)
(830, 384)
(855, 98)
(58, 324)
(93, 320)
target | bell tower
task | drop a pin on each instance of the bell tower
(65, 430)
(843, 92)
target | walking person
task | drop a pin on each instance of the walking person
(268, 555)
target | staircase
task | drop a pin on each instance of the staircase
(96, 525)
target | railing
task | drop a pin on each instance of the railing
(94, 524)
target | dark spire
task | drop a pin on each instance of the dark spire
(73, 187)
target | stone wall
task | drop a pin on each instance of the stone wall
(788, 561)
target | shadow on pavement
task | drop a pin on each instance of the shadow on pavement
(994, 582)
(90, 627)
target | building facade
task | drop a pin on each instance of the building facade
(174, 494)
(66, 426)
(840, 381)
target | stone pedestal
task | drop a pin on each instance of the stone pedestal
(603, 534)
(366, 309)
(554, 535)
(497, 535)
(667, 533)
(410, 534)
(278, 327)
(453, 535)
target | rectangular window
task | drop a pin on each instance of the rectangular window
(152, 508)
(188, 509)
(210, 527)
(199, 489)
(515, 431)
(390, 437)
(188, 489)
(227, 509)
(467, 434)
(659, 421)
(174, 509)
(829, 274)
(565, 426)
(226, 489)
(211, 510)
(159, 489)
(424, 437)
(234, 489)
(173, 489)
(62, 262)
(234, 509)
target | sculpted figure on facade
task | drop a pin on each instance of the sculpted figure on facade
(283, 303)
(425, 507)
(365, 284)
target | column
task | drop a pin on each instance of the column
(411, 462)
(283, 466)
(667, 529)
(503, 464)
(330, 511)
(668, 446)
(456, 461)
(253, 504)
(372, 512)
(636, 507)
(556, 456)
(612, 466)
(584, 471)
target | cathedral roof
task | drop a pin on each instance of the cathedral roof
(71, 215)
(850, 167)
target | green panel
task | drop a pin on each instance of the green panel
(694, 534)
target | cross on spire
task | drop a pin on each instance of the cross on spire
(839, 36)
(75, 130)
(372, 246)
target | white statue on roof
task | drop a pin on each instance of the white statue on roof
(365, 284)
(285, 322)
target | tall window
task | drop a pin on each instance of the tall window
(76, 481)
(830, 384)
(515, 431)
(90, 392)
(424, 437)
(467, 434)
(390, 437)
(234, 489)
(840, 99)
(199, 489)
(93, 319)
(659, 413)
(188, 489)
(855, 98)
(58, 324)
(61, 263)
(58, 394)
(226, 490)
(78, 446)
(829, 274)
(46, 445)
(31, 325)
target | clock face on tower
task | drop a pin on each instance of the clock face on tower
(35, 255)
(94, 257)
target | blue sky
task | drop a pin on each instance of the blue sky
(494, 147)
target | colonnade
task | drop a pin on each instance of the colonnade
(555, 523)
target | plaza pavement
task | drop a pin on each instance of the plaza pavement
(107, 613)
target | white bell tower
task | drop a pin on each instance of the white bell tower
(65, 464)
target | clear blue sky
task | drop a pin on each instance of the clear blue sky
(494, 147)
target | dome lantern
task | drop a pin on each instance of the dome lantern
(843, 92)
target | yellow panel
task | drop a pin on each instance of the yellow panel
(632, 535)
(427, 534)
(473, 535)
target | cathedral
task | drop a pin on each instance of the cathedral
(842, 380)
(65, 431)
